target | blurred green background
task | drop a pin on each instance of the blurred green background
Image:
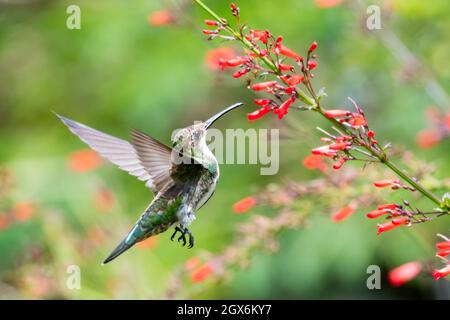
(120, 72)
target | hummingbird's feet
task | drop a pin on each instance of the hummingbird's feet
(182, 237)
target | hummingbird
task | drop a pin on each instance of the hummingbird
(183, 177)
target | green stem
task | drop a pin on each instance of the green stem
(315, 103)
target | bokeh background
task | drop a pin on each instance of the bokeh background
(61, 206)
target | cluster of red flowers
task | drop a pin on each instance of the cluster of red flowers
(443, 251)
(280, 81)
(340, 145)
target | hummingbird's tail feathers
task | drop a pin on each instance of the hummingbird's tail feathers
(117, 151)
(121, 248)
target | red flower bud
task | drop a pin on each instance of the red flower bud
(313, 47)
(437, 274)
(389, 206)
(443, 245)
(238, 61)
(261, 102)
(370, 134)
(282, 110)
(343, 213)
(209, 32)
(240, 72)
(312, 64)
(294, 80)
(337, 113)
(285, 67)
(338, 164)
(285, 51)
(324, 151)
(391, 225)
(339, 145)
(258, 113)
(211, 23)
(376, 213)
(263, 85)
(244, 205)
(386, 183)
(400, 221)
(404, 273)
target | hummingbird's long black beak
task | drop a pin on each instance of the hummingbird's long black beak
(211, 120)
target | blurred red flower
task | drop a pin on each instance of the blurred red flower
(23, 211)
(244, 205)
(202, 273)
(327, 3)
(314, 161)
(215, 56)
(4, 221)
(161, 18)
(104, 200)
(343, 213)
(427, 138)
(84, 160)
(192, 263)
(404, 273)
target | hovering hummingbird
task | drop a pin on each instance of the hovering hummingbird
(183, 177)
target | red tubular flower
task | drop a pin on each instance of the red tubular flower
(263, 85)
(313, 47)
(258, 113)
(262, 102)
(336, 113)
(427, 138)
(244, 205)
(400, 221)
(338, 164)
(294, 80)
(370, 134)
(391, 224)
(386, 183)
(285, 67)
(443, 245)
(209, 32)
(238, 61)
(376, 213)
(437, 274)
(404, 273)
(282, 110)
(443, 253)
(240, 72)
(312, 64)
(339, 146)
(357, 121)
(343, 213)
(211, 23)
(324, 151)
(259, 35)
(389, 206)
(216, 58)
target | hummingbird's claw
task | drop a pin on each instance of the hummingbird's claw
(177, 229)
(182, 237)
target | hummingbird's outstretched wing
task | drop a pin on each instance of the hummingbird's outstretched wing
(118, 151)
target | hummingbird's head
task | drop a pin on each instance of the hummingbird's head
(190, 138)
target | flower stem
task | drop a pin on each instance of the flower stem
(314, 102)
